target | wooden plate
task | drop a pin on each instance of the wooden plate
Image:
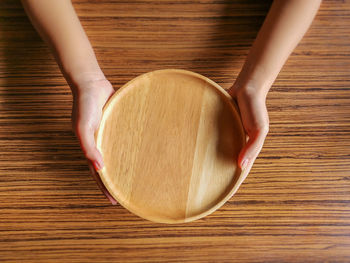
(170, 141)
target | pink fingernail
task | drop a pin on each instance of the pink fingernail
(244, 164)
(97, 165)
(113, 201)
(110, 197)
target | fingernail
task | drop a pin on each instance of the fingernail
(112, 201)
(97, 165)
(109, 197)
(244, 164)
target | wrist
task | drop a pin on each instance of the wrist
(254, 78)
(84, 81)
(249, 88)
(98, 89)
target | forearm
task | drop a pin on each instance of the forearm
(283, 28)
(58, 24)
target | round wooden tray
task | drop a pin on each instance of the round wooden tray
(170, 141)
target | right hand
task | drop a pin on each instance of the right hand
(89, 98)
(255, 121)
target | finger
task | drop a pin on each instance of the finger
(88, 145)
(252, 149)
(100, 184)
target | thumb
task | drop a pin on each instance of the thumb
(100, 184)
(88, 145)
(252, 149)
(95, 161)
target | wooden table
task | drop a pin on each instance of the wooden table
(293, 207)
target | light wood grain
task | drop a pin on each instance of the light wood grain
(170, 141)
(293, 207)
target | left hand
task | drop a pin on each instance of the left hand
(90, 96)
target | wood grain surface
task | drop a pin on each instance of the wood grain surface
(293, 207)
(170, 141)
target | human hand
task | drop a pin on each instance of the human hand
(255, 119)
(89, 97)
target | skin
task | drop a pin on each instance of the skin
(283, 28)
(58, 24)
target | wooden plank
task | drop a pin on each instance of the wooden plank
(293, 207)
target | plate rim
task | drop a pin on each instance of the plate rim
(238, 181)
